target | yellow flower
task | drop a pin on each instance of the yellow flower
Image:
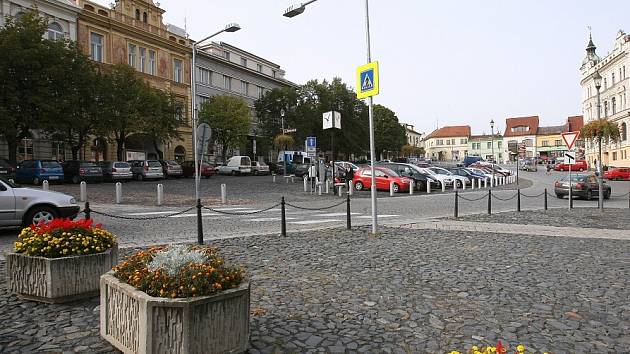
(520, 348)
(475, 348)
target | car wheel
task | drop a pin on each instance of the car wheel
(589, 194)
(395, 188)
(581, 169)
(40, 214)
(255, 172)
(140, 177)
(458, 183)
(559, 196)
(36, 181)
(233, 173)
(75, 179)
(358, 186)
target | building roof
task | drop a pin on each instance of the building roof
(575, 123)
(554, 130)
(531, 122)
(485, 137)
(450, 132)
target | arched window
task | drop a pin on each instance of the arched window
(145, 18)
(624, 131)
(137, 14)
(605, 108)
(614, 105)
(54, 32)
(180, 153)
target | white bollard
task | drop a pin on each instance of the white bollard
(391, 188)
(454, 184)
(305, 184)
(319, 189)
(327, 187)
(118, 192)
(485, 183)
(339, 189)
(274, 177)
(160, 194)
(464, 185)
(443, 187)
(411, 186)
(428, 187)
(351, 188)
(83, 196)
(223, 193)
(45, 185)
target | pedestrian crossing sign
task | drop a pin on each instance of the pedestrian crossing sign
(367, 80)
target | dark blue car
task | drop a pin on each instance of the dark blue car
(36, 171)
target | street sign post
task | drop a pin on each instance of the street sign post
(311, 146)
(570, 138)
(203, 139)
(367, 80)
(570, 160)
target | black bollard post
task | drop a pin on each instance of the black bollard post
(87, 210)
(349, 222)
(489, 201)
(518, 199)
(570, 198)
(283, 219)
(199, 223)
(456, 204)
(545, 198)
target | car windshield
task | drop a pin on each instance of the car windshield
(87, 164)
(9, 183)
(50, 164)
(155, 164)
(121, 165)
(574, 178)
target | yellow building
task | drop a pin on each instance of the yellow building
(132, 32)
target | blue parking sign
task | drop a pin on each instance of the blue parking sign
(311, 142)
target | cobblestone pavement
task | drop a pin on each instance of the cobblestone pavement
(404, 291)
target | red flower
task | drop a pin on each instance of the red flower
(500, 349)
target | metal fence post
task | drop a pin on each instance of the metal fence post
(283, 219)
(518, 199)
(545, 198)
(83, 194)
(456, 204)
(118, 192)
(45, 185)
(87, 211)
(489, 201)
(199, 223)
(349, 222)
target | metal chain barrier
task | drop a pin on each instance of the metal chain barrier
(620, 195)
(242, 212)
(532, 196)
(502, 199)
(315, 209)
(141, 217)
(473, 199)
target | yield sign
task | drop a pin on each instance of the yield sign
(570, 138)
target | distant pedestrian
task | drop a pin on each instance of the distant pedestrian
(548, 168)
(349, 177)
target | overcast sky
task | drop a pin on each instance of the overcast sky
(446, 62)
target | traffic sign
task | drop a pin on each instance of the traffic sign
(570, 138)
(289, 130)
(367, 80)
(570, 157)
(311, 146)
(203, 138)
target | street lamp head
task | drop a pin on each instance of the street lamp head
(492, 124)
(294, 10)
(232, 27)
(282, 112)
(598, 80)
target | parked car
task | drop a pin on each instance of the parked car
(384, 176)
(529, 165)
(408, 170)
(482, 172)
(583, 186)
(188, 169)
(78, 171)
(458, 180)
(580, 165)
(146, 169)
(260, 168)
(445, 180)
(7, 169)
(21, 206)
(116, 170)
(237, 165)
(470, 174)
(171, 168)
(469, 160)
(36, 171)
(300, 169)
(618, 174)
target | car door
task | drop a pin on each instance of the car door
(7, 205)
(382, 180)
(22, 173)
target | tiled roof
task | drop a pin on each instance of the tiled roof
(450, 132)
(575, 123)
(531, 122)
(555, 130)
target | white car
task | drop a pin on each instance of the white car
(480, 171)
(460, 181)
(447, 181)
(20, 206)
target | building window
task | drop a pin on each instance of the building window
(55, 32)
(132, 55)
(605, 108)
(489, 145)
(614, 156)
(143, 59)
(227, 55)
(96, 47)
(180, 114)
(259, 92)
(227, 83)
(145, 18)
(244, 62)
(259, 67)
(204, 76)
(520, 129)
(499, 144)
(178, 70)
(448, 141)
(623, 131)
(558, 142)
(152, 62)
(137, 14)
(545, 143)
(244, 87)
(439, 142)
(605, 84)
(274, 73)
(614, 105)
(463, 141)
(613, 79)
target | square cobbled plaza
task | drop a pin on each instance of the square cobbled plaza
(552, 280)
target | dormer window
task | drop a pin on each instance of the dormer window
(520, 129)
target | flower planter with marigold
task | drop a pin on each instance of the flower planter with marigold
(49, 267)
(178, 319)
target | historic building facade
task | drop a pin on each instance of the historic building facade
(614, 69)
(414, 138)
(448, 143)
(132, 32)
(482, 146)
(520, 137)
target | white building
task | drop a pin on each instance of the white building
(520, 137)
(614, 69)
(414, 138)
(62, 15)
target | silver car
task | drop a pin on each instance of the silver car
(20, 206)
(116, 170)
(146, 169)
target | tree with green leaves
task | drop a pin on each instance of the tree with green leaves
(389, 135)
(161, 117)
(597, 131)
(229, 118)
(26, 83)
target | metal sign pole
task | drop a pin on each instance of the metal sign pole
(570, 189)
(371, 115)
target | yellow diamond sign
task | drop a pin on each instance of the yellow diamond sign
(367, 80)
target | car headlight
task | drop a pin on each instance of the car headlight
(72, 201)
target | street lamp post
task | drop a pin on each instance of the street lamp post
(232, 27)
(284, 152)
(597, 78)
(492, 144)
(299, 9)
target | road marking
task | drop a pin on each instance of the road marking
(335, 214)
(380, 216)
(152, 213)
(269, 219)
(193, 215)
(309, 222)
(231, 209)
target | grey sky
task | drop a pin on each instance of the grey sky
(456, 62)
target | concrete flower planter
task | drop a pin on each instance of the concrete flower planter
(58, 280)
(135, 322)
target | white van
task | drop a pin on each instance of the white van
(237, 165)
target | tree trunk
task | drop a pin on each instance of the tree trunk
(12, 151)
(160, 152)
(223, 152)
(120, 146)
(75, 152)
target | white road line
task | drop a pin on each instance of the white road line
(268, 219)
(152, 213)
(309, 222)
(194, 215)
(380, 216)
(232, 209)
(335, 214)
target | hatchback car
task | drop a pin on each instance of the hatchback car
(36, 171)
(146, 169)
(171, 168)
(21, 206)
(116, 170)
(384, 176)
(583, 186)
(77, 171)
(580, 165)
(188, 168)
(618, 174)
(7, 169)
(408, 170)
(260, 168)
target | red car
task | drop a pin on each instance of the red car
(188, 168)
(580, 165)
(384, 176)
(618, 174)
